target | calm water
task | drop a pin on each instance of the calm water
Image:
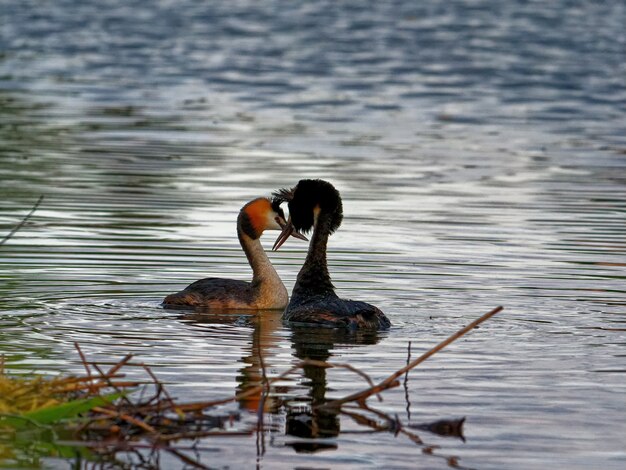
(480, 148)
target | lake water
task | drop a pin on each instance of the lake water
(480, 149)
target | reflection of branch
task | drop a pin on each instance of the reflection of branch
(443, 427)
(157, 383)
(394, 425)
(406, 384)
(21, 224)
(391, 381)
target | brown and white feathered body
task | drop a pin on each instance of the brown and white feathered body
(266, 290)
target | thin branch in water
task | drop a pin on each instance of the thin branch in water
(363, 420)
(160, 387)
(125, 417)
(92, 390)
(393, 424)
(91, 386)
(120, 364)
(111, 384)
(392, 379)
(21, 224)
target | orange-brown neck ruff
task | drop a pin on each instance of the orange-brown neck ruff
(255, 215)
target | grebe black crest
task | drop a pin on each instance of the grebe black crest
(306, 198)
(317, 204)
(266, 291)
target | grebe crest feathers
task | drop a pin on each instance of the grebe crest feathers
(309, 197)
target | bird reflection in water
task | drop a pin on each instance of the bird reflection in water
(305, 420)
(306, 424)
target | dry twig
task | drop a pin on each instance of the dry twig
(391, 381)
(21, 224)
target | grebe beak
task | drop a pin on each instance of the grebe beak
(288, 230)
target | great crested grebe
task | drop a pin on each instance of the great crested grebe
(317, 204)
(266, 291)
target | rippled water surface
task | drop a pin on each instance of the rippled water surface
(480, 151)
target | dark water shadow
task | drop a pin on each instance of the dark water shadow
(305, 420)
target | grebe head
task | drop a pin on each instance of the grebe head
(306, 201)
(263, 214)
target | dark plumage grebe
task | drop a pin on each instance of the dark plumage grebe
(266, 291)
(317, 204)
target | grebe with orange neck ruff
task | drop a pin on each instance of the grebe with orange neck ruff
(266, 290)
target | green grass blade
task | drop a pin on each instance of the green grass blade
(56, 413)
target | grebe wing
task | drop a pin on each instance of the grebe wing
(212, 290)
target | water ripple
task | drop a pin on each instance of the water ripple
(480, 152)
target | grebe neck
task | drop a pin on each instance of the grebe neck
(262, 269)
(313, 278)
